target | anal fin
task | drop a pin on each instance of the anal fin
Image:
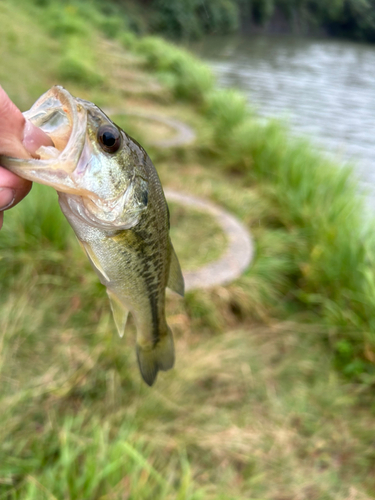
(175, 280)
(119, 311)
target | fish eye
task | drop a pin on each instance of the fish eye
(109, 138)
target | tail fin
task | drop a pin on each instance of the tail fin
(159, 357)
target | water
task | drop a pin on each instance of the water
(324, 88)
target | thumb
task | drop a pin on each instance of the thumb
(18, 137)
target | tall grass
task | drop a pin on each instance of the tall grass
(322, 202)
(90, 461)
(260, 413)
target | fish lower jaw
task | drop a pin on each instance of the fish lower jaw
(105, 219)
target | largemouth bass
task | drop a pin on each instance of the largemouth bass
(112, 197)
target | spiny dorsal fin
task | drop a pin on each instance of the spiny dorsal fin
(175, 280)
(155, 358)
(119, 311)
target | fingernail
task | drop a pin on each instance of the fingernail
(7, 197)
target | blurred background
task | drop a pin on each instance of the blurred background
(272, 393)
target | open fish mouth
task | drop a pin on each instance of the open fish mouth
(64, 120)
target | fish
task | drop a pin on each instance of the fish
(111, 195)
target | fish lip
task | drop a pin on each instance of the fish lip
(55, 172)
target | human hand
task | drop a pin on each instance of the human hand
(18, 138)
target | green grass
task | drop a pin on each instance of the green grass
(78, 65)
(190, 224)
(320, 201)
(92, 463)
(271, 394)
(187, 77)
(260, 414)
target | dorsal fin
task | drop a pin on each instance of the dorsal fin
(119, 311)
(175, 280)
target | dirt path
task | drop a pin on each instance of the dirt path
(236, 258)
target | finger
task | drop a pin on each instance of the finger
(18, 137)
(34, 137)
(12, 189)
(12, 123)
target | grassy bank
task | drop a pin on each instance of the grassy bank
(271, 394)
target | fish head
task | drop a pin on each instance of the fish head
(97, 169)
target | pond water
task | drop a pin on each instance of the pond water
(324, 88)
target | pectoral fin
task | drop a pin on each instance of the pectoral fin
(175, 280)
(93, 259)
(119, 311)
